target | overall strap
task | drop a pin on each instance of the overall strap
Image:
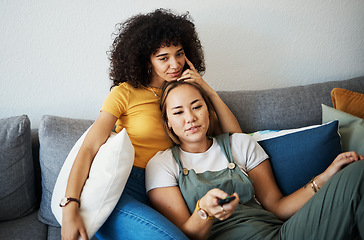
(175, 153)
(224, 142)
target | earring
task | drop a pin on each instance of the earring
(149, 71)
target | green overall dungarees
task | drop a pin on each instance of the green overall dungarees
(324, 216)
(250, 220)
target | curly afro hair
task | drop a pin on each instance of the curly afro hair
(142, 35)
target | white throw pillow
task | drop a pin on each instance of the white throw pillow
(107, 178)
(268, 134)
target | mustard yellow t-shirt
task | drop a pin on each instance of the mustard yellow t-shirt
(137, 110)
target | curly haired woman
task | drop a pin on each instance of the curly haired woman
(148, 50)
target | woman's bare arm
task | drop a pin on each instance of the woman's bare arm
(174, 208)
(283, 207)
(72, 223)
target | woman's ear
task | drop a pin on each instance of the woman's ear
(169, 125)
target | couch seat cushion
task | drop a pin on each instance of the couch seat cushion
(27, 227)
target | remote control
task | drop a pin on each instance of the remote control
(225, 200)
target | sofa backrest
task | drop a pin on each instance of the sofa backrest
(284, 108)
(281, 108)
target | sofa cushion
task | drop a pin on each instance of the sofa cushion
(348, 101)
(54, 233)
(27, 227)
(17, 192)
(351, 128)
(298, 156)
(108, 174)
(57, 135)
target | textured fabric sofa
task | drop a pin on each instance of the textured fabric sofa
(30, 159)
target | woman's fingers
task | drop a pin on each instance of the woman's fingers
(349, 155)
(190, 64)
(226, 210)
(341, 161)
(186, 75)
(189, 73)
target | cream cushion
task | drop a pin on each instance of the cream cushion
(107, 178)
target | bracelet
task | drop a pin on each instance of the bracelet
(314, 185)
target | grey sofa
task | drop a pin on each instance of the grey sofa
(30, 159)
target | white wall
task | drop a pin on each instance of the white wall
(53, 53)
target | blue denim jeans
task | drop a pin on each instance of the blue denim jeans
(133, 218)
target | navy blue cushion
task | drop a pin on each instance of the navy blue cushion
(297, 157)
